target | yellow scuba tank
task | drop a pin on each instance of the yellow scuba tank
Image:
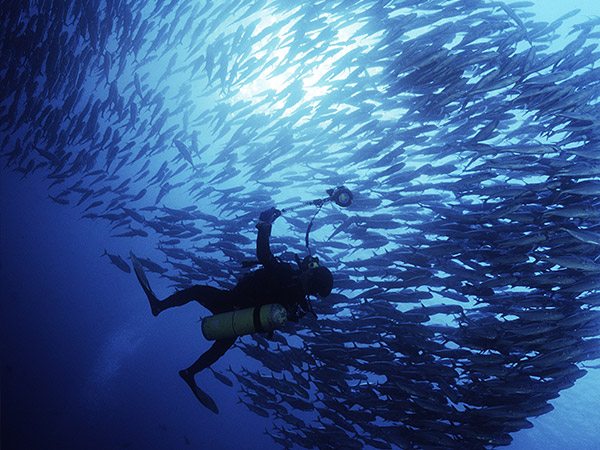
(244, 321)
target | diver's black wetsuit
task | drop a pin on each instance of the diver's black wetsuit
(275, 282)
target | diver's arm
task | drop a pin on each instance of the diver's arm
(306, 307)
(293, 312)
(263, 249)
(298, 309)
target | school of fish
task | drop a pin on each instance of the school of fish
(467, 279)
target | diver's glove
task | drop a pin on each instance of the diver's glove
(268, 216)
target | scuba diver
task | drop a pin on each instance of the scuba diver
(276, 282)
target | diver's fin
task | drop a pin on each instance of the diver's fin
(141, 276)
(202, 396)
(139, 272)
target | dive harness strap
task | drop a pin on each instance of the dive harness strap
(256, 318)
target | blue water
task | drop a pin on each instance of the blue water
(92, 369)
(86, 366)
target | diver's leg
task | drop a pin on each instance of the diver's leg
(209, 357)
(213, 299)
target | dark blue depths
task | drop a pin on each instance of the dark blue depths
(466, 270)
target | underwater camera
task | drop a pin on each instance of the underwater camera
(341, 195)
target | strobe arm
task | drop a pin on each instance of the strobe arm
(341, 196)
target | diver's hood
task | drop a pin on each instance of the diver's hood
(320, 281)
